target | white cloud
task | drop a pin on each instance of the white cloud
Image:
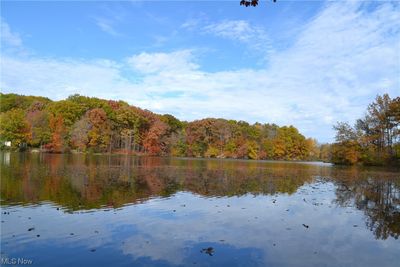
(342, 59)
(242, 31)
(251, 36)
(190, 24)
(8, 37)
(107, 26)
(112, 16)
(195, 22)
(60, 78)
(159, 62)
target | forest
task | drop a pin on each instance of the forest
(86, 124)
(93, 125)
(374, 139)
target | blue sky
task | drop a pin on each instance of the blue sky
(308, 63)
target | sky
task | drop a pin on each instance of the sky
(302, 63)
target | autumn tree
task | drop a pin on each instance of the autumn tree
(325, 152)
(93, 124)
(58, 132)
(394, 117)
(14, 101)
(130, 127)
(14, 127)
(346, 150)
(38, 119)
(199, 135)
(69, 111)
(100, 130)
(79, 134)
(154, 141)
(375, 137)
(312, 149)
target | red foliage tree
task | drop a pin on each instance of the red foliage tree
(57, 134)
(153, 142)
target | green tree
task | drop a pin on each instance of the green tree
(14, 127)
(38, 119)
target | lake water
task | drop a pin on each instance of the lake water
(79, 210)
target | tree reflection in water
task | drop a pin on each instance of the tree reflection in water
(377, 195)
(84, 182)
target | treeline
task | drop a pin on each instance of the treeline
(95, 125)
(374, 139)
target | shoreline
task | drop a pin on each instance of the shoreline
(395, 165)
(72, 152)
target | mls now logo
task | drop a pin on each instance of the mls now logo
(14, 261)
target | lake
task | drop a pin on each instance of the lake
(102, 210)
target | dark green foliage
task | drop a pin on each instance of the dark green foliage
(12, 101)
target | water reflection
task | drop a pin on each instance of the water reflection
(379, 199)
(86, 182)
(146, 211)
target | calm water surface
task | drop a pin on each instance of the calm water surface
(77, 210)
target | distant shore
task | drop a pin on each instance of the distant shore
(118, 152)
